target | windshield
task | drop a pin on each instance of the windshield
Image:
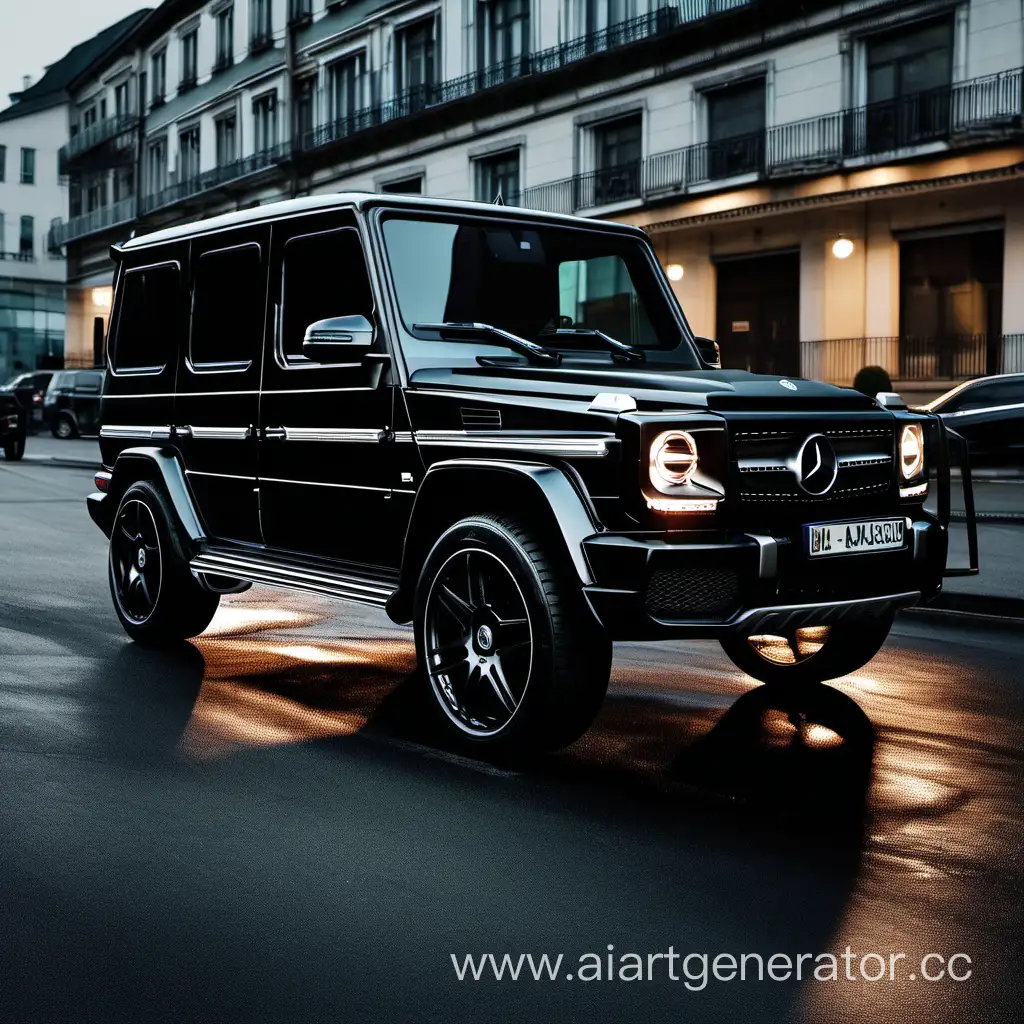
(529, 280)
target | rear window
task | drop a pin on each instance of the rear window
(147, 318)
(88, 381)
(61, 379)
(227, 308)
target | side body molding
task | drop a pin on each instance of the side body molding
(568, 510)
(159, 463)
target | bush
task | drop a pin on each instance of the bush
(870, 380)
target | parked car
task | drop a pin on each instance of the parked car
(498, 425)
(13, 422)
(71, 406)
(989, 414)
(29, 388)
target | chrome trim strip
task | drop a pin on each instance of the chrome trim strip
(218, 433)
(135, 432)
(873, 459)
(257, 571)
(768, 555)
(846, 461)
(223, 476)
(331, 435)
(584, 447)
(322, 483)
(984, 409)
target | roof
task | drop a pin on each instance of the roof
(52, 88)
(359, 200)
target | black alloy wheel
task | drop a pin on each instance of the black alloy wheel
(135, 561)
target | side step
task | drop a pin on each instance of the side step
(275, 572)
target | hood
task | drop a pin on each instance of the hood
(653, 387)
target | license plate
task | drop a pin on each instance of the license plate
(855, 538)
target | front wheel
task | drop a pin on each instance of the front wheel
(514, 657)
(810, 654)
(156, 597)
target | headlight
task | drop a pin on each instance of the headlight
(673, 458)
(911, 451)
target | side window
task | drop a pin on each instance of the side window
(147, 319)
(227, 308)
(323, 275)
(89, 382)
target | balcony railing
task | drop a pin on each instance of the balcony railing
(585, 191)
(88, 139)
(216, 177)
(61, 232)
(951, 357)
(25, 256)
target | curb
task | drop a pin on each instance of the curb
(1015, 518)
(980, 606)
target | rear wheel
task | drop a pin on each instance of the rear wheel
(810, 654)
(156, 597)
(65, 427)
(514, 658)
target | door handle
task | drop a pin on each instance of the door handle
(274, 433)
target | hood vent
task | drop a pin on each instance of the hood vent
(481, 419)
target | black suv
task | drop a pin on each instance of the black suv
(13, 426)
(71, 406)
(29, 389)
(497, 425)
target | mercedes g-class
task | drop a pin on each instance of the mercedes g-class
(497, 425)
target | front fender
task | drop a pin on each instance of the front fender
(459, 487)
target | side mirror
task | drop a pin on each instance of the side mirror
(709, 352)
(339, 339)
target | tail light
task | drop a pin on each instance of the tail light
(37, 398)
(102, 481)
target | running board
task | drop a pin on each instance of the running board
(274, 573)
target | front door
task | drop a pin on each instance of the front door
(217, 402)
(326, 443)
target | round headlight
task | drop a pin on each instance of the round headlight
(673, 458)
(911, 451)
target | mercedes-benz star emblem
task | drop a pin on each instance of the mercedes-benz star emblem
(788, 384)
(816, 465)
(484, 638)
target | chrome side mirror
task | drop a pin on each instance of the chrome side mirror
(338, 339)
(709, 352)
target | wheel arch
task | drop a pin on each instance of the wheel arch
(550, 498)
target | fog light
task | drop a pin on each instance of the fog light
(911, 451)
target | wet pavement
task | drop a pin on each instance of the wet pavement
(263, 825)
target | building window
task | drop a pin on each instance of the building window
(188, 154)
(27, 245)
(3, 163)
(909, 75)
(299, 11)
(226, 130)
(417, 63)
(498, 175)
(602, 14)
(121, 101)
(736, 129)
(618, 150)
(159, 77)
(28, 166)
(124, 183)
(156, 166)
(503, 33)
(95, 194)
(225, 38)
(405, 187)
(304, 89)
(346, 82)
(264, 117)
(261, 36)
(189, 60)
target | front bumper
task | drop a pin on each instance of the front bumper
(649, 587)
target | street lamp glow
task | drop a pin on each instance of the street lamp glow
(102, 297)
(675, 271)
(842, 248)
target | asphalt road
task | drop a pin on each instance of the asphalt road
(260, 826)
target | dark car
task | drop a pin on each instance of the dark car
(29, 389)
(497, 425)
(13, 423)
(989, 414)
(71, 406)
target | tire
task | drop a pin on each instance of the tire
(846, 648)
(514, 659)
(64, 427)
(14, 450)
(156, 597)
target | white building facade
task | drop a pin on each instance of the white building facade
(831, 184)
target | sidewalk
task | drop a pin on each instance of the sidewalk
(999, 500)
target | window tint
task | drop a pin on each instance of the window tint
(324, 276)
(147, 318)
(87, 381)
(1009, 392)
(227, 307)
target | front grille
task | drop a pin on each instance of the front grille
(693, 593)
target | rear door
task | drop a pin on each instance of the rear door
(217, 401)
(326, 446)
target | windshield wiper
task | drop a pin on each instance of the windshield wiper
(534, 353)
(621, 352)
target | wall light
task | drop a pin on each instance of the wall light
(675, 271)
(842, 247)
(102, 297)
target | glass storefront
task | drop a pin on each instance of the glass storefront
(32, 325)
